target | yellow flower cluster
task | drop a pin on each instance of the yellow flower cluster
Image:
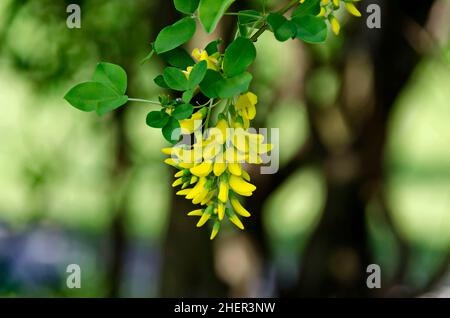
(327, 7)
(212, 171)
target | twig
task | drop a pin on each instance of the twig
(265, 26)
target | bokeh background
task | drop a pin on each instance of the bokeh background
(365, 161)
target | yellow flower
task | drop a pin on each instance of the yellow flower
(188, 126)
(219, 168)
(197, 189)
(188, 71)
(246, 107)
(223, 191)
(177, 182)
(245, 175)
(215, 230)
(178, 164)
(239, 208)
(184, 192)
(202, 55)
(352, 9)
(335, 26)
(209, 197)
(325, 8)
(179, 174)
(235, 169)
(233, 218)
(203, 169)
(322, 12)
(251, 145)
(205, 216)
(221, 211)
(198, 212)
(240, 186)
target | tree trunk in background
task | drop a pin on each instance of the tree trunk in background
(335, 260)
(117, 231)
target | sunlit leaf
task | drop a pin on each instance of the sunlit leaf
(211, 11)
(175, 79)
(186, 6)
(175, 35)
(94, 96)
(111, 75)
(197, 74)
(238, 56)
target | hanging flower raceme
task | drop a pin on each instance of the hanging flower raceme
(212, 171)
(210, 100)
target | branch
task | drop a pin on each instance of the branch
(265, 26)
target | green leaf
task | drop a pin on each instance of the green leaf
(238, 56)
(94, 96)
(197, 74)
(249, 16)
(159, 80)
(148, 57)
(275, 20)
(230, 87)
(211, 11)
(212, 47)
(282, 28)
(311, 29)
(178, 57)
(187, 96)
(111, 75)
(172, 130)
(243, 31)
(186, 6)
(175, 35)
(214, 85)
(183, 111)
(246, 18)
(207, 86)
(175, 79)
(157, 119)
(309, 7)
(164, 100)
(111, 104)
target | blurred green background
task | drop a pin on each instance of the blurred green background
(365, 161)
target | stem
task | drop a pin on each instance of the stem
(289, 6)
(265, 26)
(148, 57)
(209, 115)
(140, 100)
(260, 31)
(243, 14)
